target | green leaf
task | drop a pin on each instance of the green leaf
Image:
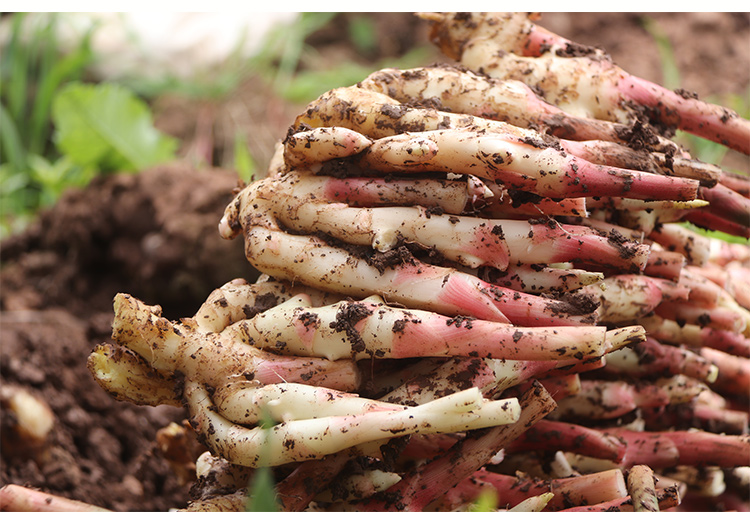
(487, 501)
(670, 71)
(243, 160)
(261, 493)
(65, 69)
(262, 490)
(11, 147)
(107, 126)
(364, 34)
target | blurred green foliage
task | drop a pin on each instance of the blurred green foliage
(261, 492)
(702, 149)
(97, 128)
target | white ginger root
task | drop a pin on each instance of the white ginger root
(543, 170)
(377, 116)
(405, 280)
(322, 144)
(463, 91)
(245, 403)
(237, 300)
(367, 328)
(537, 278)
(359, 486)
(27, 424)
(612, 399)
(469, 241)
(627, 297)
(302, 440)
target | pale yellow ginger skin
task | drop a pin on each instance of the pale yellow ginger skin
(512, 101)
(128, 377)
(642, 488)
(322, 144)
(486, 46)
(213, 358)
(32, 423)
(306, 439)
(468, 150)
(308, 260)
(628, 297)
(359, 486)
(376, 115)
(535, 503)
(221, 472)
(245, 403)
(706, 481)
(477, 94)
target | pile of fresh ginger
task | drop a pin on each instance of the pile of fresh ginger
(477, 278)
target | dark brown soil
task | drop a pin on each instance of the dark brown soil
(154, 235)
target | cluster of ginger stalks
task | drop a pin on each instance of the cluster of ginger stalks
(476, 278)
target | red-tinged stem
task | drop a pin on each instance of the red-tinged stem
(569, 491)
(408, 281)
(668, 498)
(670, 290)
(702, 290)
(590, 179)
(726, 204)
(612, 154)
(712, 122)
(740, 290)
(669, 331)
(534, 278)
(731, 422)
(738, 183)
(714, 270)
(718, 318)
(710, 449)
(538, 40)
(579, 243)
(734, 372)
(505, 203)
(453, 376)
(421, 486)
(707, 417)
(19, 498)
(563, 436)
(705, 219)
(300, 487)
(565, 367)
(673, 237)
(656, 359)
(611, 399)
(645, 448)
(664, 264)
(450, 196)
